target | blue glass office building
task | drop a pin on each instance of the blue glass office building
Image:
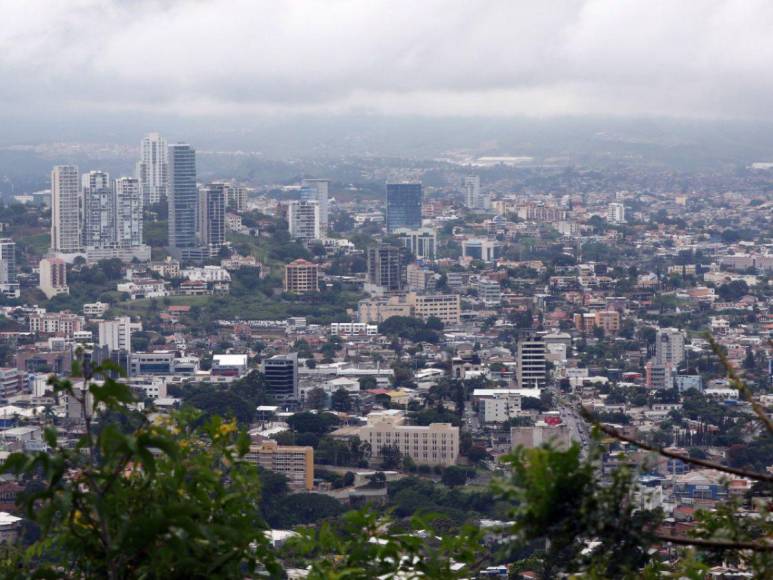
(183, 199)
(403, 206)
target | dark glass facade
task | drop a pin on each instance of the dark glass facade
(403, 206)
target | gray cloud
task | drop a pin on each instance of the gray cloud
(704, 58)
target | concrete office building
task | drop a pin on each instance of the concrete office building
(317, 190)
(531, 364)
(153, 169)
(387, 268)
(65, 209)
(435, 444)
(183, 201)
(294, 462)
(445, 307)
(281, 376)
(482, 249)
(421, 242)
(403, 206)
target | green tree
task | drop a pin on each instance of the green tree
(341, 401)
(316, 398)
(148, 503)
(391, 457)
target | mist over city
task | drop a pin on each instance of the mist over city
(368, 289)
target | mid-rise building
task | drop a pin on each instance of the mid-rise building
(183, 200)
(117, 334)
(235, 197)
(421, 242)
(489, 292)
(607, 320)
(65, 209)
(317, 190)
(53, 277)
(420, 278)
(445, 307)
(301, 277)
(482, 249)
(303, 220)
(61, 323)
(387, 267)
(9, 284)
(296, 463)
(531, 364)
(669, 347)
(499, 408)
(281, 377)
(403, 206)
(153, 169)
(616, 213)
(541, 433)
(435, 444)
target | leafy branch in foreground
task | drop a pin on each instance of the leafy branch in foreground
(149, 503)
(364, 545)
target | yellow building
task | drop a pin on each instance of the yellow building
(436, 444)
(294, 462)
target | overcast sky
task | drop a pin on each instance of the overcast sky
(681, 58)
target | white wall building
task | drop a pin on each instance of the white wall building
(65, 209)
(117, 334)
(317, 190)
(616, 213)
(153, 168)
(303, 218)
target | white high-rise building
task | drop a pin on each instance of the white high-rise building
(472, 197)
(317, 190)
(98, 226)
(117, 334)
(153, 168)
(616, 213)
(65, 209)
(128, 212)
(9, 285)
(303, 218)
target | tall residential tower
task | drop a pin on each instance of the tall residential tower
(152, 168)
(65, 209)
